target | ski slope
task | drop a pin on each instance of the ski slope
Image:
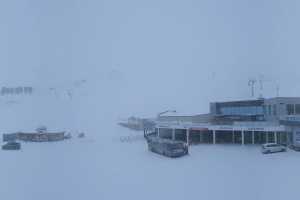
(104, 166)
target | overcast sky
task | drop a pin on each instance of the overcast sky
(153, 55)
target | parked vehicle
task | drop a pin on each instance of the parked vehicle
(11, 146)
(295, 147)
(272, 148)
(167, 147)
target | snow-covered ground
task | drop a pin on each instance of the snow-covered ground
(105, 166)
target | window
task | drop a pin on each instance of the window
(297, 109)
(260, 110)
(274, 109)
(290, 109)
(265, 110)
(242, 110)
(269, 109)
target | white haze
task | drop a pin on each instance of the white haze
(138, 58)
(146, 56)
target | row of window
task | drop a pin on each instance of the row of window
(242, 110)
(293, 109)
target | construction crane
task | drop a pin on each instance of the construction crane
(277, 90)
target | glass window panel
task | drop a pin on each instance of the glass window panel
(297, 109)
(242, 110)
(251, 110)
(290, 109)
(248, 110)
(235, 110)
(260, 110)
(264, 110)
(274, 110)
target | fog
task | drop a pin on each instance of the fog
(142, 57)
(94, 62)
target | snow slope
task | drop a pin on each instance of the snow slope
(104, 166)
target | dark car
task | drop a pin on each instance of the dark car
(167, 147)
(11, 146)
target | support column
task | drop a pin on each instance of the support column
(158, 130)
(275, 137)
(233, 136)
(214, 137)
(253, 138)
(188, 136)
(173, 134)
(267, 137)
(243, 138)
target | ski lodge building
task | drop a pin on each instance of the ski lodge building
(274, 120)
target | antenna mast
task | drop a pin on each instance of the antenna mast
(277, 90)
(251, 84)
(261, 85)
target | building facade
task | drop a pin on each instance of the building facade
(274, 120)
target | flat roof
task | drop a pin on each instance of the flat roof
(241, 101)
(258, 100)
